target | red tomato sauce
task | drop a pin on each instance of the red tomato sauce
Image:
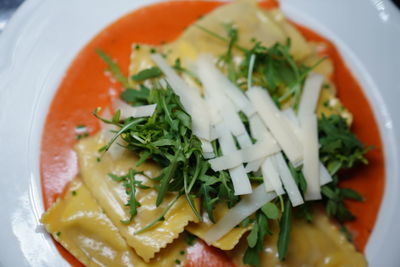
(85, 87)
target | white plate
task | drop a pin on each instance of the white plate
(44, 36)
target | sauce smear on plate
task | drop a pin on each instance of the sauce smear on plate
(85, 87)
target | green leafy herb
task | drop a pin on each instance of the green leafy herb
(340, 148)
(285, 228)
(167, 139)
(149, 73)
(255, 240)
(271, 211)
(113, 68)
(130, 184)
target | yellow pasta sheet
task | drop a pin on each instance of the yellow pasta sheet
(78, 223)
(112, 198)
(317, 244)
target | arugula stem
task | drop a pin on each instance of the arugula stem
(166, 178)
(285, 226)
(122, 130)
(160, 217)
(216, 35)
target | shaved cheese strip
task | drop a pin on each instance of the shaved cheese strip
(206, 146)
(311, 157)
(215, 116)
(271, 175)
(258, 129)
(250, 74)
(291, 116)
(213, 133)
(130, 111)
(280, 128)
(288, 180)
(254, 165)
(251, 153)
(259, 150)
(260, 132)
(244, 140)
(227, 161)
(216, 98)
(189, 97)
(247, 206)
(207, 149)
(310, 95)
(324, 176)
(221, 82)
(240, 180)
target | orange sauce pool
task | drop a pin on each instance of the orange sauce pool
(85, 87)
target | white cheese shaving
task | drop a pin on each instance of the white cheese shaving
(247, 206)
(310, 95)
(271, 175)
(324, 176)
(288, 180)
(134, 112)
(254, 165)
(207, 149)
(311, 164)
(244, 140)
(251, 68)
(189, 97)
(240, 180)
(280, 128)
(216, 98)
(235, 158)
(222, 83)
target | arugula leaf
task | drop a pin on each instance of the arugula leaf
(137, 97)
(113, 68)
(149, 73)
(340, 148)
(255, 240)
(285, 228)
(130, 185)
(270, 210)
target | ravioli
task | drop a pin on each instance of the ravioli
(112, 198)
(267, 26)
(317, 244)
(79, 224)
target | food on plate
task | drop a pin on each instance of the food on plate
(231, 135)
